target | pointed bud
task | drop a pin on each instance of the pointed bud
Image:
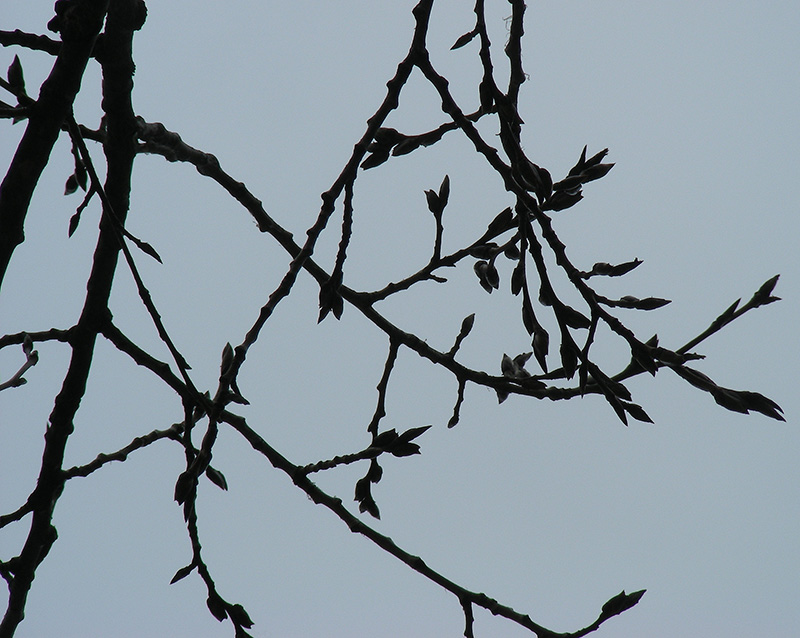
(596, 172)
(71, 186)
(569, 359)
(16, 80)
(541, 344)
(517, 279)
(503, 222)
(507, 366)
(227, 358)
(444, 191)
(434, 205)
(464, 40)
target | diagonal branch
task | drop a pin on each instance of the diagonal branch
(44, 123)
(356, 525)
(122, 454)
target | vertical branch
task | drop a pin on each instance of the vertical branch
(329, 298)
(120, 151)
(347, 230)
(436, 258)
(457, 407)
(469, 618)
(383, 384)
(514, 50)
(487, 90)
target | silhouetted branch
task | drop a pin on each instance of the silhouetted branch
(217, 605)
(356, 525)
(13, 517)
(31, 359)
(53, 105)
(55, 102)
(30, 41)
(514, 50)
(383, 384)
(344, 459)
(761, 297)
(122, 454)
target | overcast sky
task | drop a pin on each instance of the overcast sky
(551, 508)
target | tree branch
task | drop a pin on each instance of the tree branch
(44, 123)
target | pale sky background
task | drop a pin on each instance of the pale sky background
(551, 508)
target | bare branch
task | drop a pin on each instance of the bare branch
(122, 454)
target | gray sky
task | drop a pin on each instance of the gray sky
(551, 508)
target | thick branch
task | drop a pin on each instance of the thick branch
(44, 122)
(120, 152)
